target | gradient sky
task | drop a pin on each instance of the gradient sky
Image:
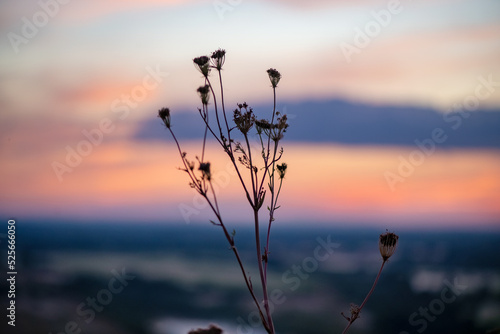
(77, 70)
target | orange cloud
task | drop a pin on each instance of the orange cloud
(11, 14)
(325, 183)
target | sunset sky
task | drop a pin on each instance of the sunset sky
(101, 69)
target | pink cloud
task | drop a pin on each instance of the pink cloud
(440, 66)
(12, 12)
(318, 4)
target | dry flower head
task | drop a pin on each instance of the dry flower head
(164, 114)
(387, 244)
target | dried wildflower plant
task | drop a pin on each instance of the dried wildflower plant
(258, 174)
(387, 246)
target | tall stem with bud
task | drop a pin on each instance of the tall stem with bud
(387, 246)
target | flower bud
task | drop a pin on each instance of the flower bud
(387, 244)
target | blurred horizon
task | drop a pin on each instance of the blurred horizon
(185, 277)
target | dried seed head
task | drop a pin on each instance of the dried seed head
(205, 170)
(274, 76)
(282, 123)
(387, 244)
(282, 170)
(218, 58)
(201, 61)
(204, 92)
(244, 119)
(164, 114)
(278, 129)
(203, 65)
(263, 124)
(355, 311)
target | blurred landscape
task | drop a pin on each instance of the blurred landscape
(394, 114)
(180, 277)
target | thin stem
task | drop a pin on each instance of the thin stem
(356, 315)
(261, 272)
(233, 160)
(226, 233)
(205, 108)
(205, 119)
(225, 145)
(229, 153)
(271, 219)
(215, 196)
(238, 258)
(266, 159)
(256, 194)
(215, 106)
(188, 170)
(373, 287)
(223, 106)
(254, 180)
(271, 208)
(272, 122)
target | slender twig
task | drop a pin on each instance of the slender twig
(271, 208)
(268, 323)
(223, 106)
(215, 196)
(355, 315)
(261, 272)
(254, 181)
(230, 239)
(205, 108)
(271, 182)
(187, 169)
(272, 122)
(210, 128)
(238, 258)
(225, 147)
(266, 159)
(215, 106)
(271, 219)
(256, 194)
(221, 223)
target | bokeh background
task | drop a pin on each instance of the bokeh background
(394, 123)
